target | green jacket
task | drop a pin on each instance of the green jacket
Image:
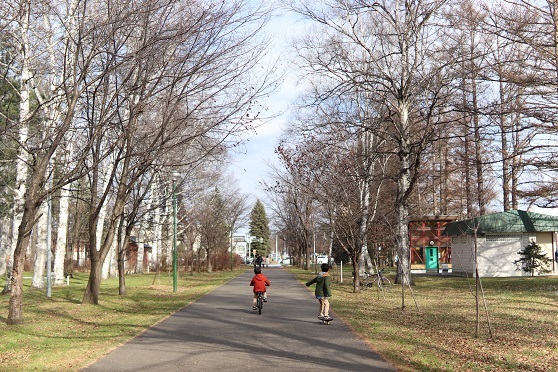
(323, 285)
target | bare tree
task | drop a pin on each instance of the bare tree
(236, 212)
(162, 75)
(186, 90)
(527, 70)
(293, 207)
(341, 167)
(395, 44)
(56, 87)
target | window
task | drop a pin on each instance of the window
(503, 238)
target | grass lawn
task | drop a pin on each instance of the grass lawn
(438, 331)
(60, 334)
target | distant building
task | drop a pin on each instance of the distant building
(430, 249)
(240, 246)
(499, 238)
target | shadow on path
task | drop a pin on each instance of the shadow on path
(220, 331)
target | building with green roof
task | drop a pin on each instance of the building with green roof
(499, 237)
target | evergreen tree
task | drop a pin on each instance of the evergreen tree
(533, 259)
(259, 228)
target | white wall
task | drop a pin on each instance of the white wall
(496, 254)
(462, 255)
(496, 257)
(545, 240)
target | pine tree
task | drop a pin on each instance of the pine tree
(533, 259)
(259, 228)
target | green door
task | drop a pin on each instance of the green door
(431, 258)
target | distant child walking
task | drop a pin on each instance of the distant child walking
(322, 291)
(259, 282)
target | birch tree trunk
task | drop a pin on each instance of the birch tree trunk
(61, 251)
(3, 246)
(22, 154)
(157, 226)
(364, 191)
(140, 243)
(402, 198)
(105, 269)
(62, 237)
(34, 197)
(104, 177)
(43, 151)
(40, 250)
(108, 264)
(157, 234)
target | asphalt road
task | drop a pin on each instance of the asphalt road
(221, 332)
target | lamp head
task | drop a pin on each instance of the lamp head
(175, 176)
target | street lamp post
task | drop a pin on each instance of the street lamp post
(174, 253)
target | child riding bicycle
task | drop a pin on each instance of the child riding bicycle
(259, 282)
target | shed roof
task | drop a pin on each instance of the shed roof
(514, 221)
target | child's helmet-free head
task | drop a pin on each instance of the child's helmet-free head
(257, 270)
(325, 267)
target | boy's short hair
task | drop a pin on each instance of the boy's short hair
(257, 270)
(325, 267)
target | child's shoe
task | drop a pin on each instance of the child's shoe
(265, 299)
(254, 307)
(321, 317)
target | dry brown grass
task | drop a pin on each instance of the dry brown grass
(438, 332)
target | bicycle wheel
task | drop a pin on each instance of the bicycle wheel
(259, 303)
(365, 281)
(385, 283)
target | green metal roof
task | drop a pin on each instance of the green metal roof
(504, 223)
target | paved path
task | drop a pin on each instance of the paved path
(222, 332)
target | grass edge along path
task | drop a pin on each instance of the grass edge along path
(61, 334)
(440, 335)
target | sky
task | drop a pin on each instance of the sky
(251, 162)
